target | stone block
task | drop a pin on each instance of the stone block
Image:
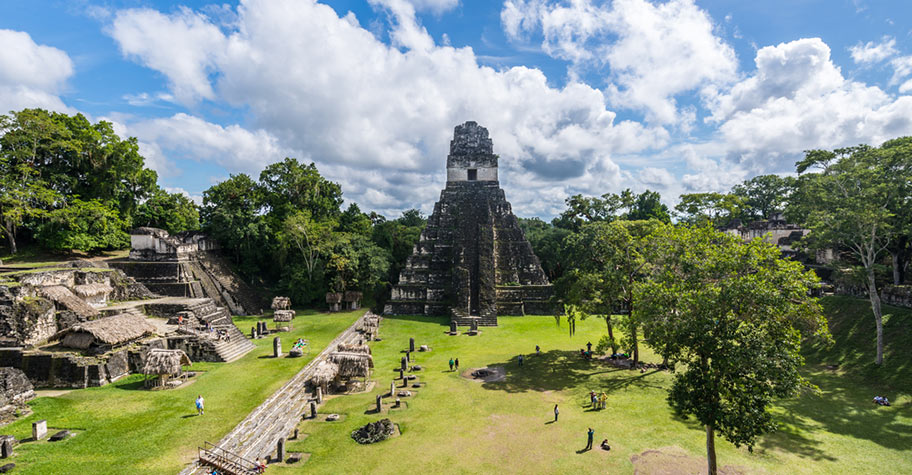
(39, 429)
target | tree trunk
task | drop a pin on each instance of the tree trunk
(710, 450)
(636, 345)
(897, 267)
(611, 334)
(878, 316)
(11, 237)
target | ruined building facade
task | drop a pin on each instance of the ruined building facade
(472, 260)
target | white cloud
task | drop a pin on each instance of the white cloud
(653, 51)
(184, 47)
(31, 75)
(873, 52)
(797, 100)
(902, 68)
(656, 177)
(322, 84)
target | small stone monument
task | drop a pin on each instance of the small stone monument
(398, 403)
(379, 403)
(319, 395)
(408, 356)
(392, 388)
(404, 364)
(6, 448)
(253, 333)
(313, 410)
(276, 347)
(474, 326)
(280, 449)
(411, 344)
(404, 382)
(401, 373)
(39, 429)
(295, 434)
(424, 348)
(453, 329)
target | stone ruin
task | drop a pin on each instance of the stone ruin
(59, 327)
(186, 264)
(374, 432)
(343, 301)
(472, 261)
(15, 391)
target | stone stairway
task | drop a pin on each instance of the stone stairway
(256, 436)
(237, 345)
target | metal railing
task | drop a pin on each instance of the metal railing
(210, 454)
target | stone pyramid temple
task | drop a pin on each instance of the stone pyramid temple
(473, 261)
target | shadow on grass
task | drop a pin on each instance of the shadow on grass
(845, 408)
(557, 370)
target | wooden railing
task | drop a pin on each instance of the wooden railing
(228, 462)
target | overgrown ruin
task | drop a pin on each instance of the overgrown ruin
(473, 261)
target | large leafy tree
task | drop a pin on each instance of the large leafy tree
(289, 186)
(84, 225)
(608, 259)
(763, 195)
(547, 243)
(172, 212)
(717, 209)
(851, 203)
(733, 313)
(232, 214)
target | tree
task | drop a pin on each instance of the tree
(353, 221)
(763, 195)
(311, 238)
(853, 201)
(608, 260)
(289, 186)
(547, 243)
(172, 212)
(648, 205)
(84, 225)
(716, 209)
(232, 214)
(733, 313)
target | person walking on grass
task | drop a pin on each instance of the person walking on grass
(451, 364)
(200, 408)
(457, 364)
(556, 413)
(591, 435)
(520, 360)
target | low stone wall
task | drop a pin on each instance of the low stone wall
(898, 295)
(197, 348)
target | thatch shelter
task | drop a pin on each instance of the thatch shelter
(281, 303)
(351, 300)
(352, 365)
(353, 348)
(165, 364)
(65, 299)
(95, 294)
(106, 332)
(334, 301)
(324, 373)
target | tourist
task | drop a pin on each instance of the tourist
(591, 435)
(200, 409)
(556, 412)
(537, 350)
(520, 360)
(180, 319)
(605, 445)
(592, 399)
(451, 364)
(457, 364)
(589, 347)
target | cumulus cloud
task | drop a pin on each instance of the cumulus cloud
(31, 75)
(873, 51)
(653, 51)
(797, 100)
(315, 82)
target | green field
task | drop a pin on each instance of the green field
(123, 428)
(455, 425)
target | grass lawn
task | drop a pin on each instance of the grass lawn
(123, 428)
(454, 425)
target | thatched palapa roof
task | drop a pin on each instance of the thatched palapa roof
(353, 348)
(109, 330)
(281, 303)
(90, 290)
(352, 365)
(351, 296)
(324, 373)
(333, 297)
(62, 296)
(159, 361)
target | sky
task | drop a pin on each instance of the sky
(580, 96)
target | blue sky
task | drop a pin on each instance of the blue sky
(580, 96)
